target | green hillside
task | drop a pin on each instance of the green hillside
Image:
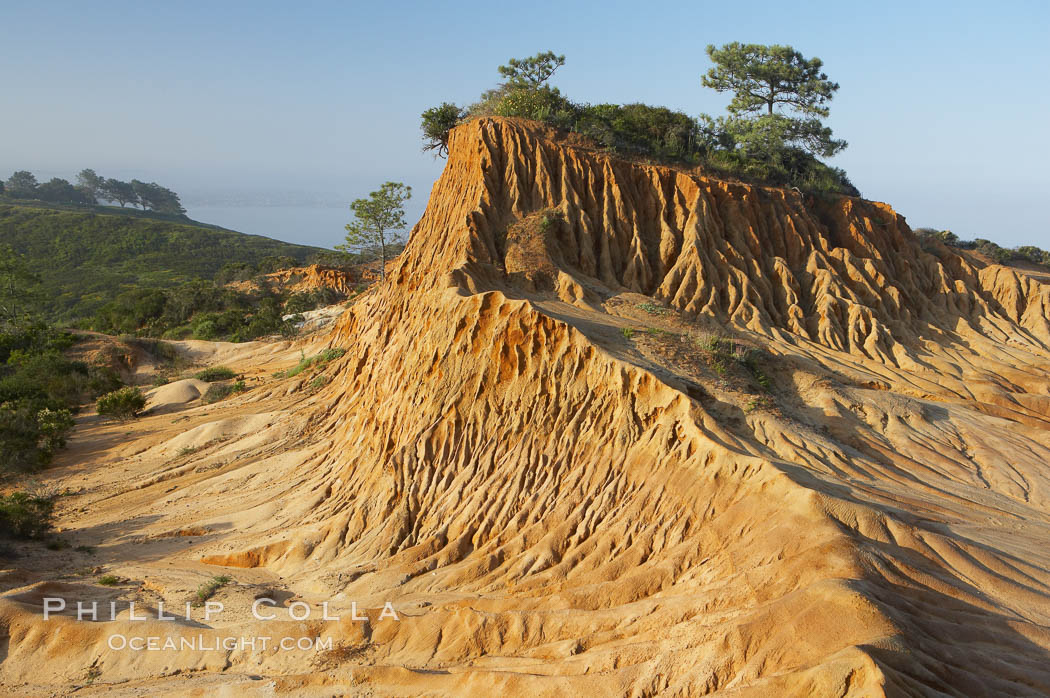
(85, 258)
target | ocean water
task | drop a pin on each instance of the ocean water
(307, 225)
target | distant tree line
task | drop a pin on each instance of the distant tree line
(92, 188)
(773, 132)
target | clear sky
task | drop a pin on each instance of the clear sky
(944, 104)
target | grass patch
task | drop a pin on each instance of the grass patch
(207, 590)
(653, 308)
(315, 361)
(724, 353)
(215, 373)
(715, 343)
(759, 402)
(627, 332)
(318, 382)
(109, 580)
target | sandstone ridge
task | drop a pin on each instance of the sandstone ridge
(540, 458)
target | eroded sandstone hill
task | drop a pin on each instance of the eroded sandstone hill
(530, 444)
(612, 529)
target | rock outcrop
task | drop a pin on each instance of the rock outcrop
(315, 277)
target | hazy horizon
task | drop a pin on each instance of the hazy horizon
(309, 106)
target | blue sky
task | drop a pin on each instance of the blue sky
(943, 104)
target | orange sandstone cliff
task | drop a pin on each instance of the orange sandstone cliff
(524, 446)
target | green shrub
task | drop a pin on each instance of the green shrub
(215, 373)
(121, 404)
(221, 391)
(109, 580)
(436, 124)
(199, 309)
(945, 236)
(641, 129)
(24, 515)
(331, 354)
(53, 426)
(314, 361)
(539, 104)
(40, 390)
(207, 590)
(216, 392)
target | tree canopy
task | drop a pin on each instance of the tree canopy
(91, 183)
(531, 72)
(22, 184)
(763, 77)
(378, 219)
(156, 198)
(121, 192)
(62, 192)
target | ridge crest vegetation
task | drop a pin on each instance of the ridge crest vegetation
(780, 147)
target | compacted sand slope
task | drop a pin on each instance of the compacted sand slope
(534, 449)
